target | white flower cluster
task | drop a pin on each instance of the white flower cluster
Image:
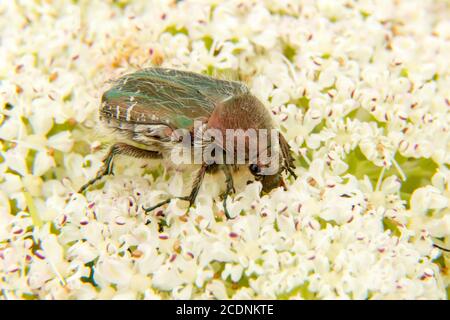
(359, 89)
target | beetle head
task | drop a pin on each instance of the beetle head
(268, 169)
(271, 163)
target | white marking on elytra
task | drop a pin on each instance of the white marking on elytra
(117, 112)
(129, 109)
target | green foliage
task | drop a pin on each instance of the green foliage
(404, 73)
(173, 30)
(121, 4)
(359, 166)
(289, 52)
(364, 14)
(37, 222)
(208, 41)
(303, 103)
(389, 224)
(418, 174)
(302, 290)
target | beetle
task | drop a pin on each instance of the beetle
(150, 106)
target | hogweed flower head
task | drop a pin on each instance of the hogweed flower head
(360, 91)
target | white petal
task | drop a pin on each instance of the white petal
(61, 141)
(42, 163)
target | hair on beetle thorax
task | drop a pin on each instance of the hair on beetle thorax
(240, 112)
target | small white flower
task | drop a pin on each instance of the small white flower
(61, 141)
(427, 198)
(217, 290)
(42, 163)
(166, 278)
(113, 270)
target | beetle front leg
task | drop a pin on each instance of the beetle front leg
(119, 149)
(229, 189)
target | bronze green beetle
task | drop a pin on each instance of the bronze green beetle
(149, 106)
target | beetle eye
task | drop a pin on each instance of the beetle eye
(254, 169)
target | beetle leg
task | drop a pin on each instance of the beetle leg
(287, 157)
(149, 209)
(197, 183)
(191, 197)
(441, 248)
(196, 186)
(119, 149)
(230, 189)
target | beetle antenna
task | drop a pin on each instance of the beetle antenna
(287, 157)
(289, 169)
